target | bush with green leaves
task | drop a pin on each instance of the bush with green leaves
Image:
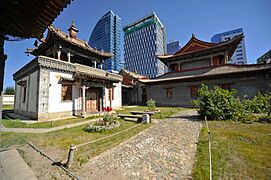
(109, 118)
(258, 104)
(218, 104)
(151, 104)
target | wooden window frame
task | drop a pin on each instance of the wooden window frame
(24, 93)
(66, 97)
(169, 92)
(226, 86)
(194, 91)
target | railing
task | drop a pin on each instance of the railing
(209, 147)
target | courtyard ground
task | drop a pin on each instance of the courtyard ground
(166, 150)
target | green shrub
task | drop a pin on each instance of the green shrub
(248, 119)
(218, 104)
(151, 104)
(258, 104)
(109, 118)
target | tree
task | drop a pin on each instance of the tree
(9, 91)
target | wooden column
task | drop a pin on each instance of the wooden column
(58, 54)
(226, 57)
(3, 58)
(69, 56)
(83, 100)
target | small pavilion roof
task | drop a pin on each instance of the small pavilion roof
(132, 74)
(55, 34)
(195, 46)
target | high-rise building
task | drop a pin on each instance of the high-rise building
(239, 56)
(173, 47)
(143, 41)
(106, 36)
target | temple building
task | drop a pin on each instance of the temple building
(200, 62)
(63, 80)
(133, 91)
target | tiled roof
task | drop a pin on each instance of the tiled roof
(208, 46)
(134, 75)
(77, 42)
(210, 72)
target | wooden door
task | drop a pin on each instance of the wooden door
(92, 98)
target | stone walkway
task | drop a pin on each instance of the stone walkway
(44, 130)
(165, 151)
(13, 167)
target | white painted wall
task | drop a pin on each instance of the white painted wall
(55, 103)
(117, 102)
(8, 99)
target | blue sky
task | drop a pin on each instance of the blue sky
(181, 19)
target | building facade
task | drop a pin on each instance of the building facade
(143, 41)
(173, 47)
(265, 58)
(106, 36)
(239, 56)
(200, 62)
(64, 79)
(133, 91)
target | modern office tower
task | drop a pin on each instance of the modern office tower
(173, 47)
(239, 56)
(143, 41)
(106, 36)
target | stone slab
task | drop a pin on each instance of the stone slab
(13, 167)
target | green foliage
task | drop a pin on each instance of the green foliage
(258, 104)
(248, 119)
(109, 118)
(218, 104)
(151, 104)
(9, 91)
(221, 104)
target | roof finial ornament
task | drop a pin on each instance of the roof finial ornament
(193, 35)
(73, 30)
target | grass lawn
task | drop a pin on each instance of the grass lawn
(19, 124)
(7, 107)
(62, 139)
(239, 151)
(165, 111)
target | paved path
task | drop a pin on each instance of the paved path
(166, 150)
(44, 130)
(13, 167)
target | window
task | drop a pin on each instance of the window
(169, 92)
(226, 86)
(194, 91)
(66, 92)
(24, 94)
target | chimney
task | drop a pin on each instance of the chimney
(73, 31)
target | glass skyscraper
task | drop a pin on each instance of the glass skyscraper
(239, 56)
(106, 36)
(143, 41)
(173, 47)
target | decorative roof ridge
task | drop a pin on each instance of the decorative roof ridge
(237, 38)
(134, 75)
(61, 34)
(213, 72)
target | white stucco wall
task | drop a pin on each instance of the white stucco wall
(32, 92)
(8, 99)
(30, 104)
(117, 102)
(55, 103)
